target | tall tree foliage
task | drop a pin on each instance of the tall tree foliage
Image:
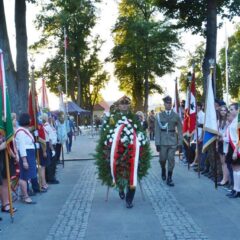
(200, 17)
(143, 49)
(78, 17)
(195, 59)
(233, 63)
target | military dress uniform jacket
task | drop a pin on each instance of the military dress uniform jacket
(168, 129)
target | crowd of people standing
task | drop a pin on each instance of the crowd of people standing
(34, 155)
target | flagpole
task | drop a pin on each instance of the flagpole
(9, 183)
(189, 78)
(196, 126)
(65, 66)
(226, 67)
(177, 108)
(211, 62)
(35, 121)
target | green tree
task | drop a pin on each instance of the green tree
(200, 17)
(233, 63)
(195, 59)
(143, 50)
(78, 17)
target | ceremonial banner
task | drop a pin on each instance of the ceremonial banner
(34, 112)
(189, 122)
(6, 126)
(44, 102)
(210, 127)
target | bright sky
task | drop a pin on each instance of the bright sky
(107, 17)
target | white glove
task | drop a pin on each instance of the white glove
(35, 133)
(53, 153)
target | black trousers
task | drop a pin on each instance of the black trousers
(51, 168)
(58, 151)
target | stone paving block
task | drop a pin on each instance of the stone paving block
(171, 214)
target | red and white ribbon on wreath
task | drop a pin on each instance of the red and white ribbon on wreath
(134, 161)
(134, 156)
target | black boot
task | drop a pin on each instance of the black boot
(163, 173)
(169, 180)
(129, 197)
(121, 194)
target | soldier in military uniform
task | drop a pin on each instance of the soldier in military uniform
(168, 136)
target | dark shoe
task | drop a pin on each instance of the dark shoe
(235, 195)
(164, 173)
(169, 179)
(210, 175)
(170, 182)
(55, 181)
(121, 194)
(231, 193)
(164, 177)
(39, 191)
(6, 208)
(129, 205)
(31, 193)
(205, 171)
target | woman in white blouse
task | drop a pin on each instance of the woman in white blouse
(27, 161)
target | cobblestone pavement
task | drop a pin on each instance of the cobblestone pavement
(174, 219)
(71, 223)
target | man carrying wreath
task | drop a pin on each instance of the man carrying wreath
(123, 152)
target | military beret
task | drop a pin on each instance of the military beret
(167, 99)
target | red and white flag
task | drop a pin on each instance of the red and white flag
(190, 113)
(44, 102)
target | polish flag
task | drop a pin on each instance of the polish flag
(190, 113)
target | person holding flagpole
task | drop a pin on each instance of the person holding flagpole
(167, 139)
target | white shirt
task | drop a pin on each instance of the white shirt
(47, 130)
(233, 134)
(200, 120)
(53, 135)
(168, 112)
(24, 141)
